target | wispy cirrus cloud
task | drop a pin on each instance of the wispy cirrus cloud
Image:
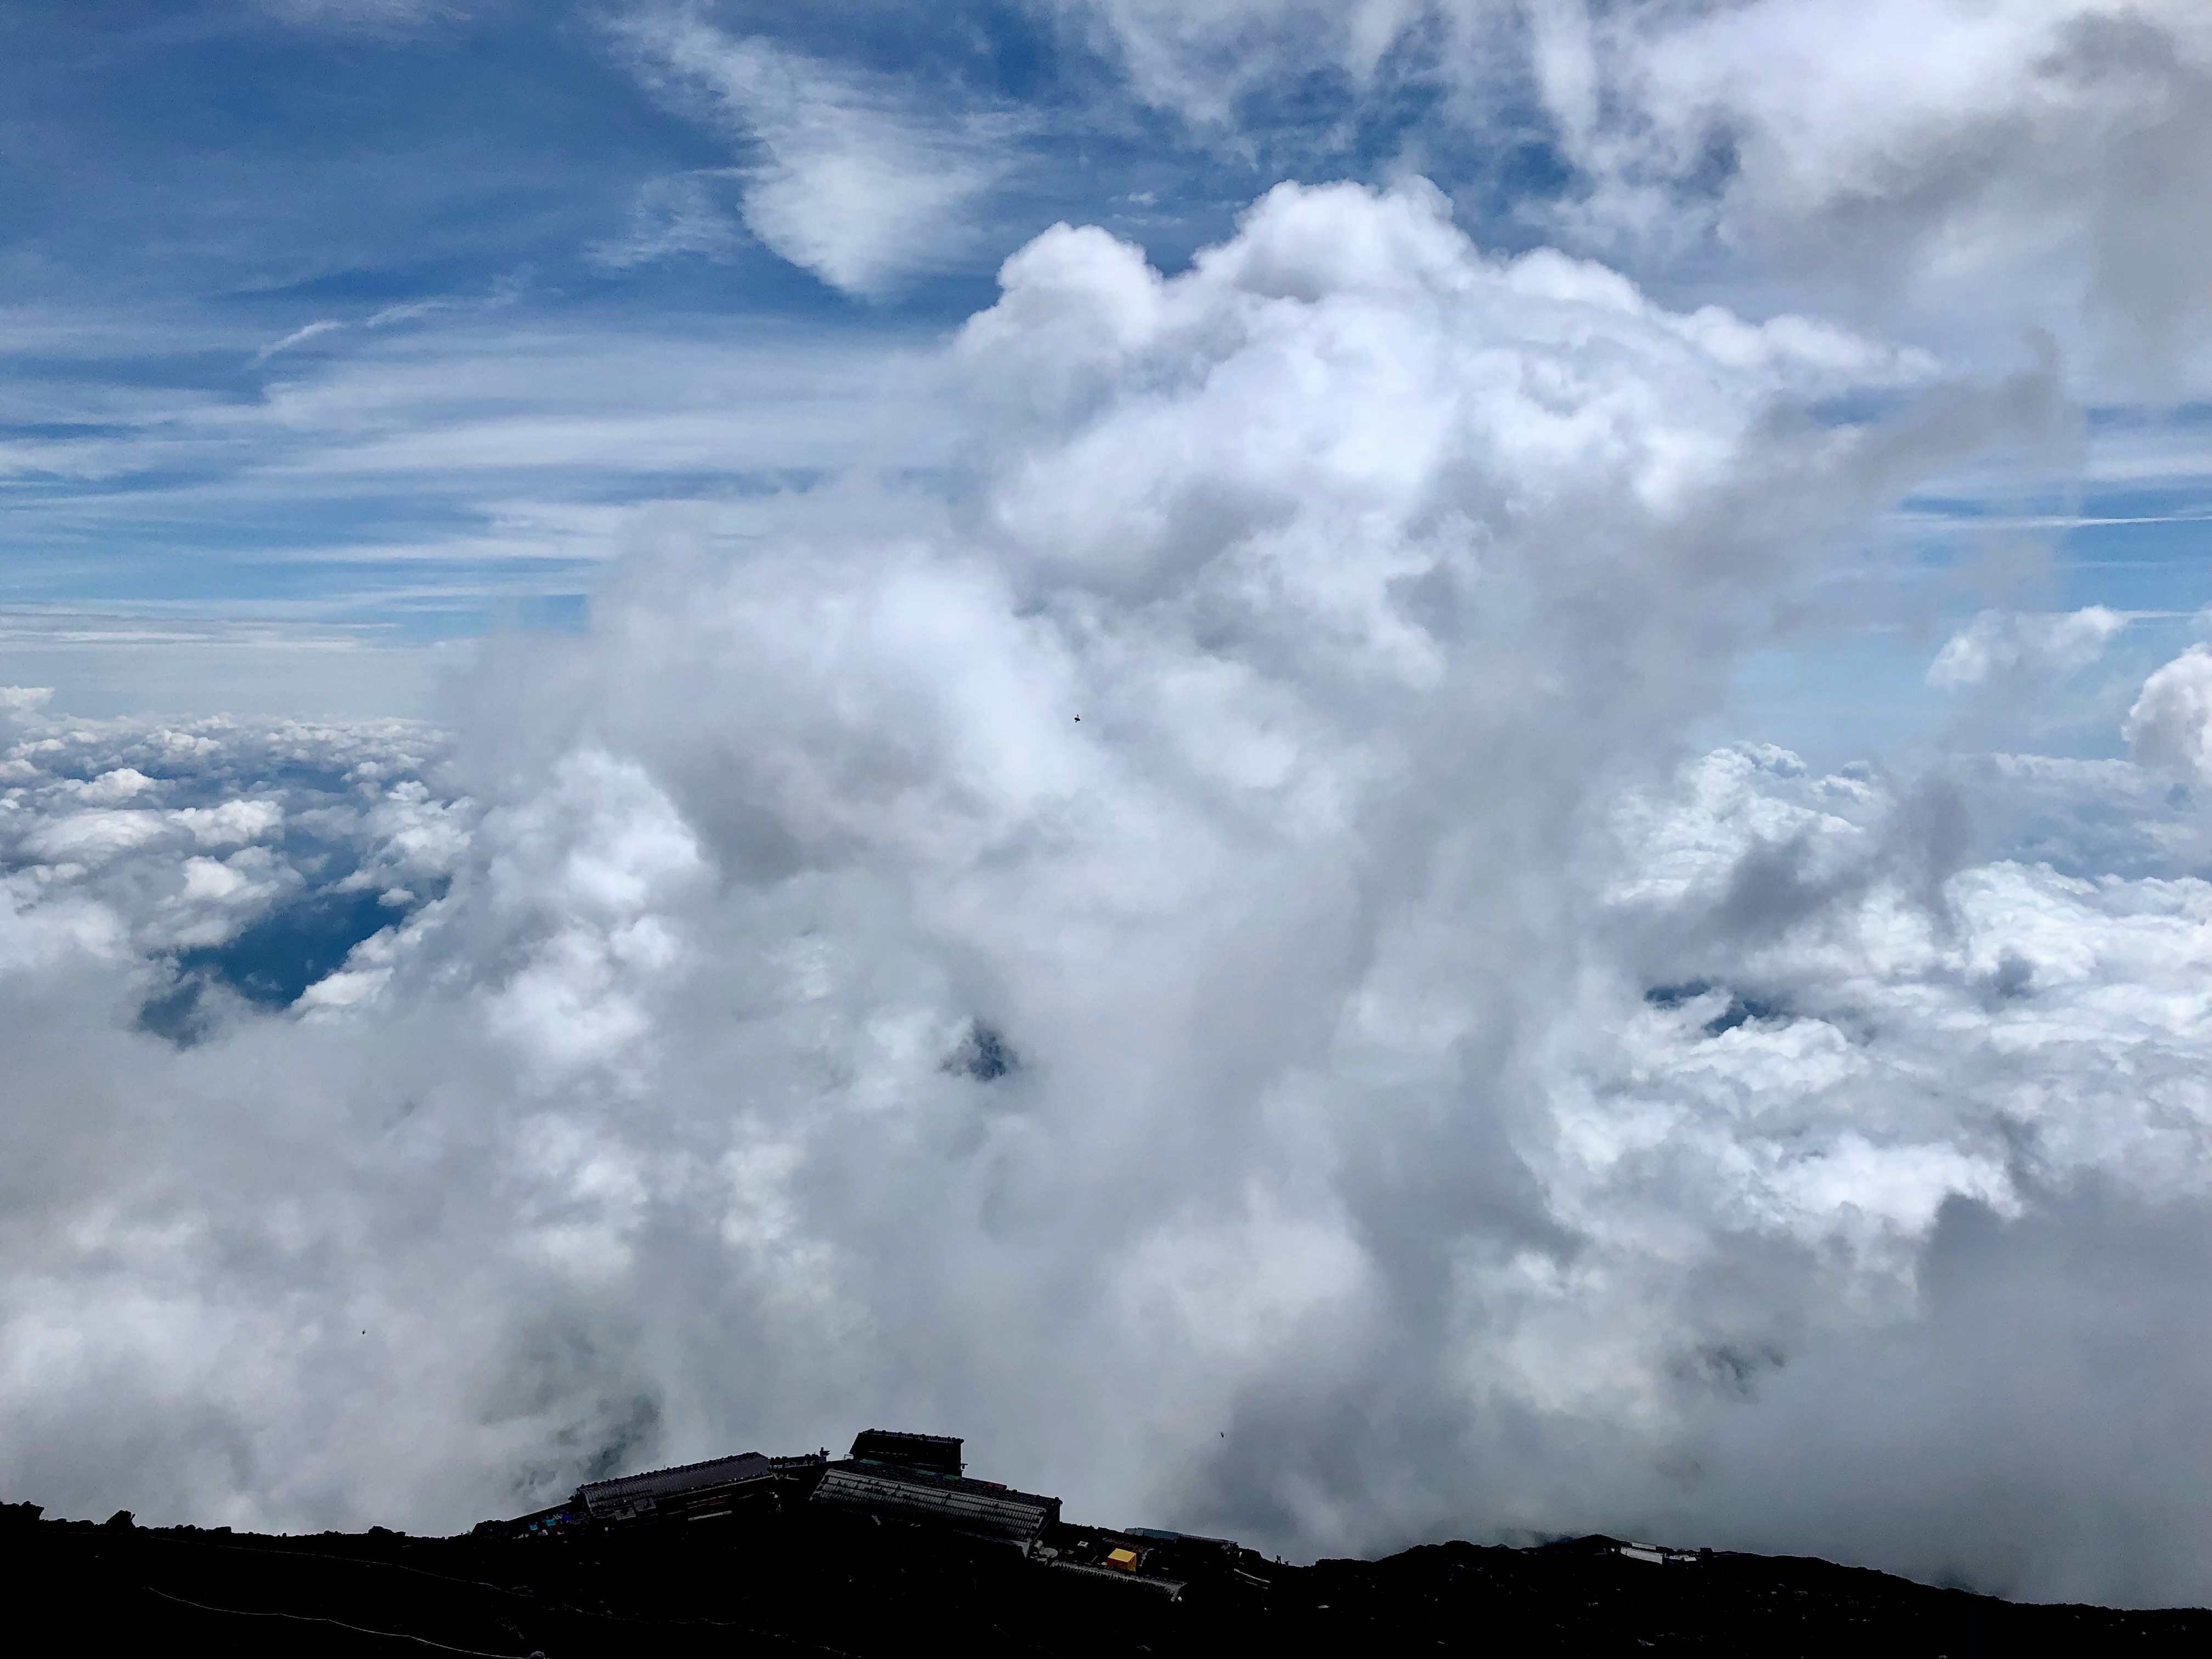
(855, 175)
(678, 214)
(299, 336)
(422, 467)
(372, 14)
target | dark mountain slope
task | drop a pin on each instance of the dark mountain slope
(774, 1581)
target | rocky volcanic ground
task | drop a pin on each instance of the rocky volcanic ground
(775, 1584)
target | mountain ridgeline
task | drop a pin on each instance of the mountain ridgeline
(895, 1549)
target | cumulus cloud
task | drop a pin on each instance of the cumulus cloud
(224, 860)
(2014, 159)
(1414, 1106)
(2170, 724)
(1952, 141)
(857, 179)
(2012, 645)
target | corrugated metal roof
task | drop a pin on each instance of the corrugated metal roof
(940, 1452)
(976, 1507)
(605, 1496)
(1171, 1589)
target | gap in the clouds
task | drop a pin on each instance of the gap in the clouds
(983, 1054)
(1852, 681)
(622, 1449)
(1506, 191)
(983, 48)
(271, 964)
(1740, 1010)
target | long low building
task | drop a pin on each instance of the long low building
(981, 1509)
(890, 1477)
(689, 1486)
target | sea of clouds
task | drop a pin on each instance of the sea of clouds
(1199, 957)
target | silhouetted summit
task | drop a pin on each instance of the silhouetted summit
(896, 1549)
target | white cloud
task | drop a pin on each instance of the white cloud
(2170, 724)
(530, 454)
(1997, 167)
(1269, 748)
(857, 180)
(179, 836)
(1964, 144)
(673, 216)
(298, 337)
(2014, 646)
(93, 836)
(409, 311)
(113, 788)
(232, 822)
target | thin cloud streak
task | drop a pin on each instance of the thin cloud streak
(298, 337)
(434, 440)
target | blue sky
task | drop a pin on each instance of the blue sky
(389, 324)
(343, 324)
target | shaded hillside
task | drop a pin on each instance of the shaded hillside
(773, 1580)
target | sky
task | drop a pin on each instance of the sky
(1356, 772)
(341, 326)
